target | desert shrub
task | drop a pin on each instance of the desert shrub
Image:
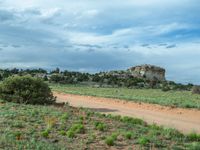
(193, 137)
(143, 141)
(50, 122)
(117, 117)
(128, 135)
(130, 120)
(109, 141)
(18, 124)
(57, 78)
(45, 133)
(70, 134)
(196, 90)
(26, 89)
(65, 117)
(62, 132)
(194, 146)
(78, 128)
(165, 88)
(169, 133)
(75, 129)
(100, 126)
(115, 135)
(153, 83)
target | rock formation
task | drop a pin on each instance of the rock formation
(149, 72)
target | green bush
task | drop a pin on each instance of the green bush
(109, 141)
(143, 141)
(62, 132)
(130, 120)
(193, 146)
(78, 128)
(75, 129)
(65, 117)
(45, 133)
(26, 89)
(165, 88)
(128, 135)
(100, 126)
(115, 135)
(193, 137)
(70, 134)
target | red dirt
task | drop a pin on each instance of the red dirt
(184, 120)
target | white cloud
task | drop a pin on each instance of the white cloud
(48, 13)
(90, 13)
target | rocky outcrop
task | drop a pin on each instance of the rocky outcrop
(149, 72)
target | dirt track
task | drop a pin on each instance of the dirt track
(185, 120)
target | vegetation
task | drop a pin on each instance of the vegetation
(110, 141)
(156, 96)
(196, 90)
(26, 89)
(4, 73)
(100, 126)
(49, 127)
(128, 135)
(101, 79)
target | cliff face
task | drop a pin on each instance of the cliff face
(149, 72)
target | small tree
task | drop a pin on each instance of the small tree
(165, 88)
(56, 78)
(153, 82)
(26, 89)
(1, 77)
(45, 78)
(57, 70)
(196, 90)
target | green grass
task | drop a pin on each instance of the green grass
(183, 99)
(48, 127)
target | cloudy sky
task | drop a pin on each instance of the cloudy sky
(102, 35)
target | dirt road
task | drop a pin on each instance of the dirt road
(185, 120)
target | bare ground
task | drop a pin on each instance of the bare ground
(184, 120)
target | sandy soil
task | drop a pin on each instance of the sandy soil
(185, 120)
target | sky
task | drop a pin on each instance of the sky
(101, 35)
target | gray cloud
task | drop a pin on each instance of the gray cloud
(145, 45)
(6, 16)
(171, 46)
(89, 45)
(162, 44)
(16, 46)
